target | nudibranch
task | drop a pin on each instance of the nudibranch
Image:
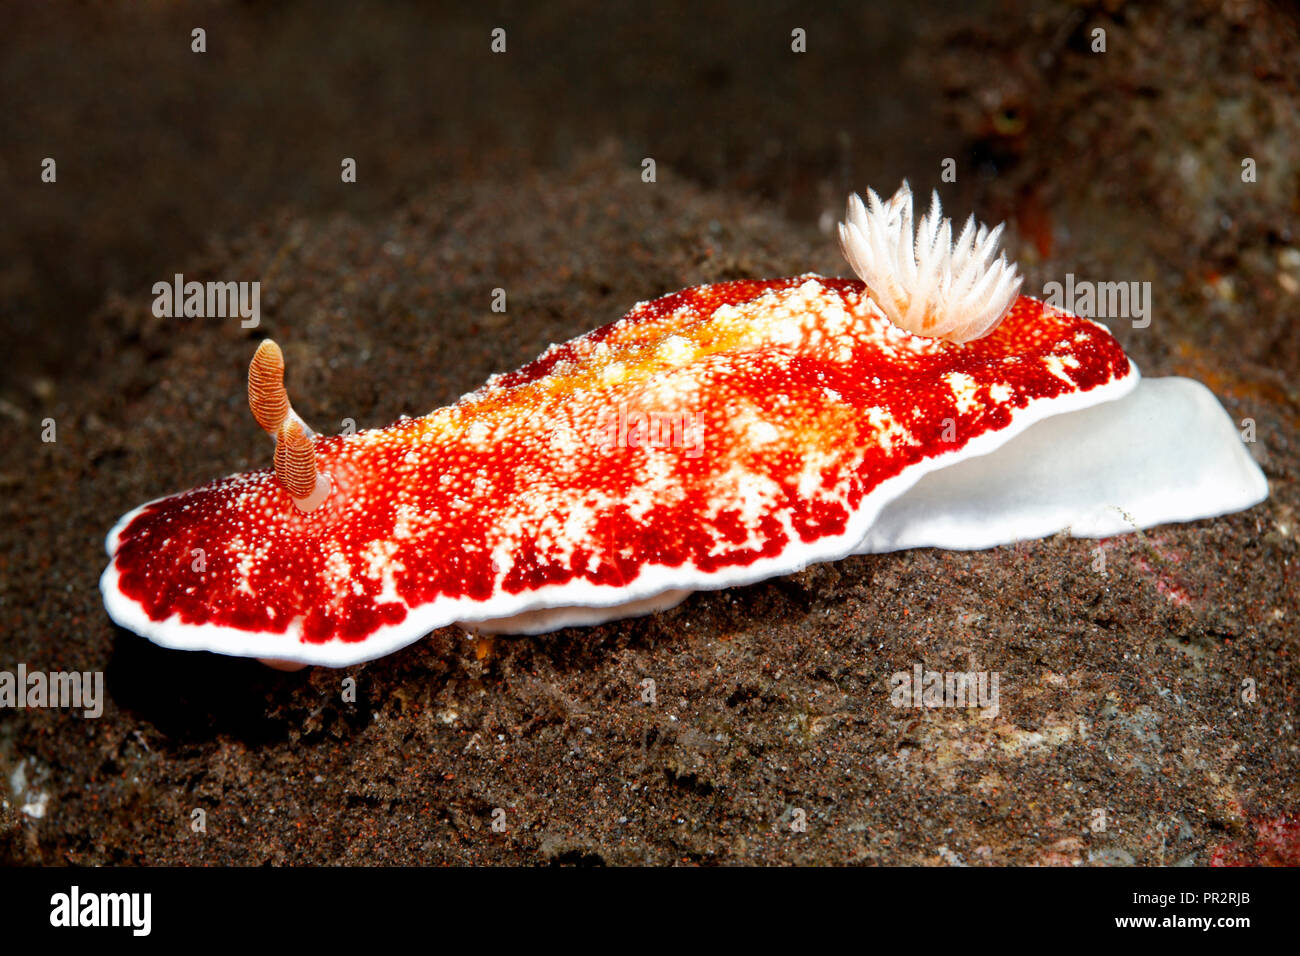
(709, 438)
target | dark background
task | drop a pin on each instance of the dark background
(161, 149)
(522, 170)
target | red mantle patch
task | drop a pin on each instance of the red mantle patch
(705, 431)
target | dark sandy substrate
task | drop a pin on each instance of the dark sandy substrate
(1123, 735)
(1119, 693)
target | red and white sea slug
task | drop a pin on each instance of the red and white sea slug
(709, 438)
